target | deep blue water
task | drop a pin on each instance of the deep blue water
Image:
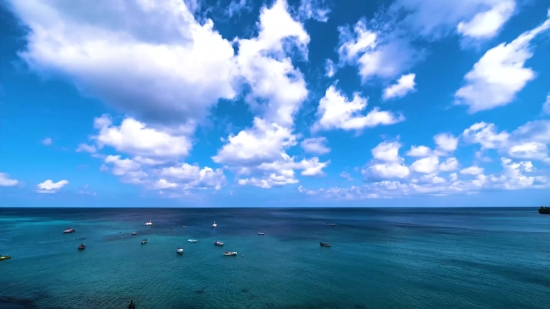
(380, 258)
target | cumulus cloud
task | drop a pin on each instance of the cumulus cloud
(135, 56)
(487, 24)
(450, 164)
(86, 148)
(500, 74)
(445, 142)
(472, 170)
(6, 181)
(426, 165)
(546, 105)
(135, 138)
(335, 111)
(386, 163)
(49, 186)
(314, 9)
(405, 84)
(191, 176)
(315, 145)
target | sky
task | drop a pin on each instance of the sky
(274, 103)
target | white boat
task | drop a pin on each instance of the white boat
(260, 233)
(179, 251)
(69, 230)
(214, 225)
(218, 243)
(192, 240)
(230, 253)
(149, 223)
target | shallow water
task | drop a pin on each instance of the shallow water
(380, 258)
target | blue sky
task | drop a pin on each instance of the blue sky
(275, 103)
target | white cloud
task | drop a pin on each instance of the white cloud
(546, 105)
(235, 7)
(476, 19)
(376, 53)
(128, 170)
(529, 150)
(191, 176)
(86, 148)
(135, 138)
(330, 69)
(336, 112)
(451, 164)
(486, 135)
(486, 24)
(265, 65)
(500, 74)
(315, 145)
(446, 142)
(472, 170)
(405, 84)
(263, 142)
(47, 141)
(419, 151)
(6, 181)
(137, 56)
(426, 165)
(346, 176)
(49, 186)
(314, 9)
(387, 151)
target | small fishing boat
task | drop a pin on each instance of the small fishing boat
(4, 257)
(214, 225)
(192, 240)
(324, 245)
(82, 247)
(230, 253)
(134, 233)
(149, 223)
(260, 233)
(170, 230)
(69, 230)
(183, 226)
(218, 243)
(143, 242)
(331, 224)
(179, 251)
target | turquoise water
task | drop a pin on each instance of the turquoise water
(380, 258)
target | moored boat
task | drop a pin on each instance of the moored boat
(230, 253)
(192, 240)
(214, 225)
(82, 247)
(134, 233)
(149, 223)
(260, 233)
(218, 243)
(544, 210)
(69, 230)
(331, 224)
(4, 257)
(143, 242)
(325, 245)
(179, 251)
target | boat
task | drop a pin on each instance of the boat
(544, 210)
(69, 230)
(143, 242)
(214, 225)
(170, 230)
(260, 233)
(324, 245)
(149, 223)
(230, 253)
(134, 233)
(4, 257)
(192, 240)
(183, 226)
(82, 247)
(218, 243)
(331, 224)
(179, 251)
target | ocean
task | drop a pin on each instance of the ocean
(380, 258)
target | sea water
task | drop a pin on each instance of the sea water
(380, 258)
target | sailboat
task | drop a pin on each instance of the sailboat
(149, 223)
(214, 225)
